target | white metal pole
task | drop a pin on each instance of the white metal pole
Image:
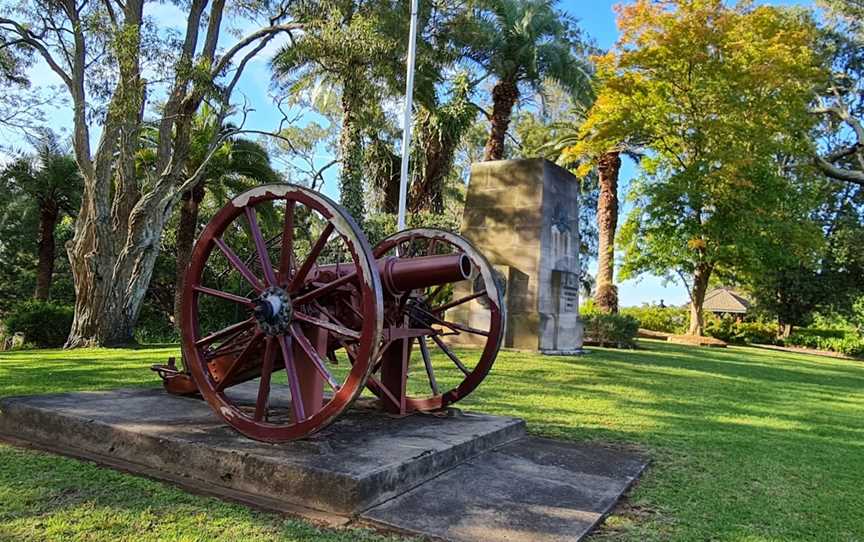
(406, 117)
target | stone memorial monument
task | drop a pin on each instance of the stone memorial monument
(523, 215)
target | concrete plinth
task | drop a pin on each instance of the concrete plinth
(410, 474)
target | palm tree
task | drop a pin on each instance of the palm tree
(608, 167)
(51, 179)
(572, 148)
(342, 49)
(522, 43)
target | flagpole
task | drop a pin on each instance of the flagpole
(406, 116)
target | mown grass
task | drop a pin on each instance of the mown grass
(746, 445)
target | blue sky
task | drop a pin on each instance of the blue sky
(597, 19)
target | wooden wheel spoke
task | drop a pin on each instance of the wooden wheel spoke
(293, 379)
(315, 357)
(226, 332)
(264, 385)
(311, 258)
(453, 357)
(427, 362)
(224, 295)
(466, 329)
(329, 287)
(458, 302)
(286, 261)
(260, 247)
(241, 267)
(231, 344)
(239, 361)
(330, 326)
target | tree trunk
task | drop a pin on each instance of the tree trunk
(427, 192)
(504, 97)
(112, 270)
(697, 299)
(48, 215)
(606, 297)
(351, 151)
(186, 230)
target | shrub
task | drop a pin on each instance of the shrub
(42, 323)
(821, 333)
(655, 318)
(831, 340)
(731, 331)
(617, 330)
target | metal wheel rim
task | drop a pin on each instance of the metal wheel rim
(371, 293)
(497, 313)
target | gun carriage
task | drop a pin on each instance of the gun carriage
(284, 286)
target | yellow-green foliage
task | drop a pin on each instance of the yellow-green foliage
(713, 95)
(700, 76)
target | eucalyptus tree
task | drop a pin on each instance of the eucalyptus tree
(231, 168)
(21, 103)
(50, 180)
(520, 44)
(842, 104)
(115, 64)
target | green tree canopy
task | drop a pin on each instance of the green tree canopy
(716, 96)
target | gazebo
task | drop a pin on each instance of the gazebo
(723, 301)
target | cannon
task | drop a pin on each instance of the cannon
(284, 288)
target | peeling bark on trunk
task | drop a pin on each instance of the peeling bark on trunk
(697, 299)
(189, 204)
(49, 213)
(606, 296)
(504, 97)
(110, 282)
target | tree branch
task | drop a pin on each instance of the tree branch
(838, 173)
(228, 56)
(30, 39)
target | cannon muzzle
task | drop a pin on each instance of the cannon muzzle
(400, 275)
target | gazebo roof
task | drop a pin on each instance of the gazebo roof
(725, 300)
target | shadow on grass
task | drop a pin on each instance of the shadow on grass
(745, 441)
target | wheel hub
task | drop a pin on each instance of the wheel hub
(273, 311)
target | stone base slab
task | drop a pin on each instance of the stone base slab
(458, 476)
(362, 459)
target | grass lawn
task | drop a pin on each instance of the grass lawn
(747, 445)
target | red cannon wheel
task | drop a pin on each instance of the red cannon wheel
(244, 320)
(456, 349)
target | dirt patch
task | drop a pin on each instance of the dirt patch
(696, 341)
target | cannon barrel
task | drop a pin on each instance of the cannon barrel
(400, 275)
